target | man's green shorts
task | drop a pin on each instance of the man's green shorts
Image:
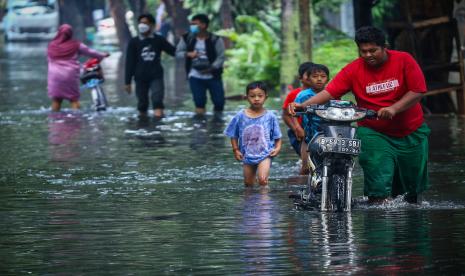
(393, 166)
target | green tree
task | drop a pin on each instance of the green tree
(335, 54)
(2, 9)
(213, 8)
(289, 44)
(255, 55)
(118, 12)
(305, 25)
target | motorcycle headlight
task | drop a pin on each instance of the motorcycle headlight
(341, 114)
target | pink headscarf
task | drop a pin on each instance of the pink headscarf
(63, 46)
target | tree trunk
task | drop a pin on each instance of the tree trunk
(2, 9)
(138, 7)
(86, 8)
(362, 13)
(305, 25)
(70, 14)
(180, 25)
(118, 12)
(289, 44)
(179, 15)
(226, 19)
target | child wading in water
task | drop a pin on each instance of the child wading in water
(317, 76)
(255, 136)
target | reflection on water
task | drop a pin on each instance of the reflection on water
(383, 233)
(323, 242)
(258, 227)
(147, 131)
(338, 244)
(63, 137)
(82, 192)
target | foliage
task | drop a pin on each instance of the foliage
(211, 7)
(255, 55)
(332, 5)
(257, 34)
(323, 34)
(152, 5)
(335, 54)
(208, 7)
(271, 17)
(379, 11)
(2, 9)
(266, 10)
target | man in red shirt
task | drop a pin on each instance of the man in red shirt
(295, 132)
(394, 147)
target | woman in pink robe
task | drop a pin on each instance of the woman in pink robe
(63, 67)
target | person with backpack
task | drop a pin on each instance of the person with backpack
(204, 58)
(143, 56)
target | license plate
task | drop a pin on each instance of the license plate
(340, 145)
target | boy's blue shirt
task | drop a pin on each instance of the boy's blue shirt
(256, 136)
(311, 123)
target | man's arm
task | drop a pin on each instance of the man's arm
(320, 98)
(416, 85)
(219, 48)
(181, 49)
(293, 124)
(407, 101)
(168, 47)
(130, 62)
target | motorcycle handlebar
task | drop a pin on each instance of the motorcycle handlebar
(371, 114)
(305, 110)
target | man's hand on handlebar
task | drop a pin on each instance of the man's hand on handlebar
(387, 113)
(292, 108)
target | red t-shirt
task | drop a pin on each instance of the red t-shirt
(290, 98)
(375, 88)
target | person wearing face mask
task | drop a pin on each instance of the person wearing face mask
(143, 57)
(204, 59)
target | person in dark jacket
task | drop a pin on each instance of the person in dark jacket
(204, 54)
(143, 57)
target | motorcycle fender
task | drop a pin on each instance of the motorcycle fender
(339, 131)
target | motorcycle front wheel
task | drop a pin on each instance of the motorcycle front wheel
(99, 99)
(336, 192)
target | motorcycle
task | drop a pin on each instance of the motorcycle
(332, 151)
(92, 78)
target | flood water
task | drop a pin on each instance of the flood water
(88, 193)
